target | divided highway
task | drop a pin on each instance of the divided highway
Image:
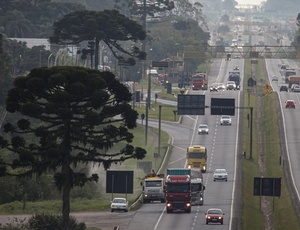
(221, 143)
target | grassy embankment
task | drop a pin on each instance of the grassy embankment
(281, 209)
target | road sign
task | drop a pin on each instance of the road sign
(191, 104)
(160, 64)
(268, 89)
(266, 186)
(119, 182)
(222, 106)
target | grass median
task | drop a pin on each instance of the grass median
(266, 154)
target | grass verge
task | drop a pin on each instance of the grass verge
(252, 215)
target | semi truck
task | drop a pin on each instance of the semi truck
(289, 72)
(293, 80)
(235, 76)
(199, 81)
(153, 188)
(178, 190)
(197, 186)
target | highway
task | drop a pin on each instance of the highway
(290, 120)
(222, 146)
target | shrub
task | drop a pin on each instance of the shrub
(53, 222)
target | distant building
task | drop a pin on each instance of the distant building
(31, 42)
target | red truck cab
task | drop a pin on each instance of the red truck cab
(178, 193)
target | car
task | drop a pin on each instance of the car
(203, 129)
(236, 67)
(221, 86)
(214, 215)
(293, 86)
(220, 174)
(274, 78)
(225, 120)
(119, 204)
(296, 89)
(284, 88)
(213, 87)
(290, 104)
(231, 85)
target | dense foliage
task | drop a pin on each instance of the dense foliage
(82, 115)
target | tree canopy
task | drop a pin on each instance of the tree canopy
(108, 26)
(70, 116)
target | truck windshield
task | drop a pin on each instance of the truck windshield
(198, 78)
(178, 188)
(196, 155)
(196, 187)
(153, 183)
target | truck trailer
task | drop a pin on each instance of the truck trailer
(293, 80)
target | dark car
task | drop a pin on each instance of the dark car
(214, 215)
(290, 104)
(284, 88)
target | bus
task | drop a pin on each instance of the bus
(196, 157)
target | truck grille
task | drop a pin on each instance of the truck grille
(178, 204)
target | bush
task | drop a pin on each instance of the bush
(53, 222)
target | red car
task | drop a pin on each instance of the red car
(290, 104)
(214, 215)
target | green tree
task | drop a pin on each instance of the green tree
(76, 115)
(223, 29)
(108, 26)
(16, 25)
(141, 9)
(5, 75)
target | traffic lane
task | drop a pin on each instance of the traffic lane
(146, 217)
(178, 220)
(293, 139)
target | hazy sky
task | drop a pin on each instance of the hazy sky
(250, 1)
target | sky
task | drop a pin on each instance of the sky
(252, 2)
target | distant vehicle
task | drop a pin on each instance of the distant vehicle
(293, 80)
(290, 104)
(214, 87)
(236, 67)
(199, 81)
(230, 85)
(153, 188)
(283, 88)
(287, 73)
(203, 129)
(274, 78)
(119, 204)
(225, 120)
(235, 76)
(296, 89)
(196, 156)
(220, 174)
(214, 215)
(221, 86)
(293, 86)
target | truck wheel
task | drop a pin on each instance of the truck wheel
(145, 201)
(169, 211)
(163, 201)
(188, 211)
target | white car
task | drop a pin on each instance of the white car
(230, 85)
(203, 129)
(220, 174)
(225, 120)
(119, 204)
